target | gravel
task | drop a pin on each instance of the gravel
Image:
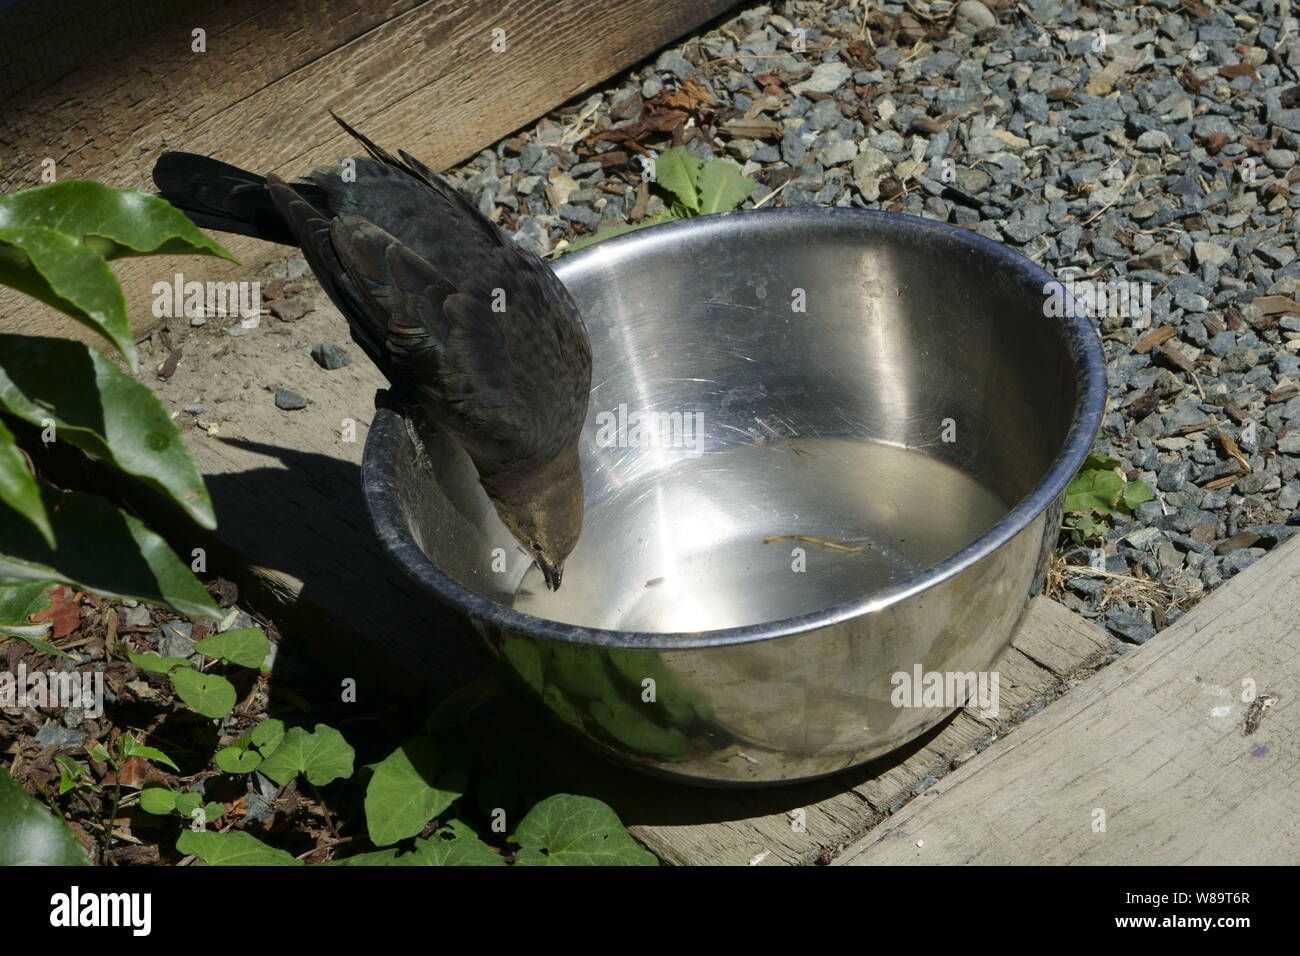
(1177, 173)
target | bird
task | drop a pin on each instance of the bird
(472, 331)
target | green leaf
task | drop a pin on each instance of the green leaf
(1136, 492)
(322, 755)
(243, 647)
(99, 752)
(723, 187)
(267, 735)
(209, 694)
(69, 772)
(452, 845)
(103, 550)
(212, 810)
(235, 848)
(677, 171)
(157, 800)
(100, 409)
(129, 746)
(61, 272)
(1094, 490)
(135, 223)
(568, 830)
(30, 835)
(1094, 461)
(406, 792)
(239, 757)
(187, 803)
(608, 231)
(18, 486)
(17, 603)
(156, 663)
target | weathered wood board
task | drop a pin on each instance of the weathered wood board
(101, 87)
(1153, 747)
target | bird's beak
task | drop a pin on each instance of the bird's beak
(551, 573)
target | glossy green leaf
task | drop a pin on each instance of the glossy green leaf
(96, 406)
(103, 550)
(30, 835)
(209, 694)
(17, 603)
(322, 755)
(722, 186)
(408, 790)
(18, 486)
(61, 272)
(243, 647)
(568, 830)
(135, 223)
(235, 848)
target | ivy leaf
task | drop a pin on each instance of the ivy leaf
(267, 735)
(322, 755)
(406, 791)
(243, 647)
(235, 848)
(30, 835)
(452, 845)
(677, 171)
(209, 694)
(156, 663)
(568, 830)
(19, 488)
(723, 187)
(239, 757)
(158, 800)
(100, 409)
(187, 803)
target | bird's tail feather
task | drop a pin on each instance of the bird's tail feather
(216, 195)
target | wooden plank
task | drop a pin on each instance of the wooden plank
(423, 76)
(1154, 748)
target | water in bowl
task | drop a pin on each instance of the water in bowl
(757, 533)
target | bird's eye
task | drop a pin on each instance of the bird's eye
(535, 546)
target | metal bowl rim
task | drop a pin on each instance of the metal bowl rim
(1081, 340)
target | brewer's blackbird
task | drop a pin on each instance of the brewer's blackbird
(475, 332)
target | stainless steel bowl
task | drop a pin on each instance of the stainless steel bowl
(864, 426)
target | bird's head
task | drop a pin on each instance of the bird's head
(543, 510)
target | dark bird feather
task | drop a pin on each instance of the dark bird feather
(476, 332)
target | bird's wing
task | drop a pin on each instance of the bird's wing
(512, 383)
